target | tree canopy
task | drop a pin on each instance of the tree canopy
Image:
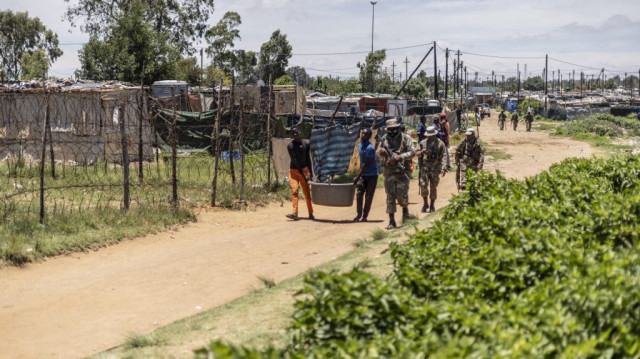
(221, 39)
(274, 56)
(25, 42)
(183, 21)
(371, 69)
(128, 46)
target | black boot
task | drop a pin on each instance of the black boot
(432, 208)
(405, 213)
(424, 206)
(392, 222)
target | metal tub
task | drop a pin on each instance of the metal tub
(332, 194)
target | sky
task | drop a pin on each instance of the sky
(329, 37)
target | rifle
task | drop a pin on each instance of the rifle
(390, 154)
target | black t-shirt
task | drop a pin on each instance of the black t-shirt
(299, 153)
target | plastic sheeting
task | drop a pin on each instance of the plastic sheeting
(332, 148)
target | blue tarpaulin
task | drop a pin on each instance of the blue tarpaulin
(332, 148)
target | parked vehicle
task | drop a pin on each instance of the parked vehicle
(487, 109)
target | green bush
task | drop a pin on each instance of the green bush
(602, 125)
(545, 267)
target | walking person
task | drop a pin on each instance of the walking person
(528, 120)
(422, 128)
(502, 118)
(446, 129)
(514, 120)
(469, 155)
(299, 173)
(397, 151)
(367, 177)
(431, 157)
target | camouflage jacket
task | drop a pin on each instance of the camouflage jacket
(400, 145)
(528, 117)
(471, 154)
(434, 158)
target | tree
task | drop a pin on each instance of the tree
(221, 38)
(533, 84)
(213, 75)
(129, 46)
(299, 75)
(284, 80)
(416, 88)
(183, 21)
(189, 71)
(244, 62)
(274, 56)
(20, 35)
(370, 69)
(34, 65)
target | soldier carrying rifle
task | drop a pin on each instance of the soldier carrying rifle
(469, 155)
(396, 149)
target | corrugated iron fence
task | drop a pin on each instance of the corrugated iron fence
(63, 153)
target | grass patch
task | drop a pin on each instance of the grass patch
(379, 234)
(497, 155)
(144, 340)
(267, 282)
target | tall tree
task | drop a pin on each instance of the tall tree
(274, 56)
(20, 35)
(245, 64)
(371, 69)
(127, 47)
(189, 71)
(221, 39)
(299, 75)
(184, 21)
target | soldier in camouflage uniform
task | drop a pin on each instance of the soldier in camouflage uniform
(433, 162)
(397, 151)
(469, 155)
(502, 118)
(528, 119)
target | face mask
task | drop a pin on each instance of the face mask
(393, 132)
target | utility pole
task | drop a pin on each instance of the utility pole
(455, 78)
(546, 75)
(573, 83)
(518, 83)
(457, 89)
(406, 68)
(581, 83)
(446, 73)
(393, 71)
(435, 71)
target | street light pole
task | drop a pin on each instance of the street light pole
(373, 14)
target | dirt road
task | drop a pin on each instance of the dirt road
(78, 305)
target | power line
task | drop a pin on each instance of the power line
(362, 52)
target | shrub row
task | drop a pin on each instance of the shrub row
(546, 267)
(602, 125)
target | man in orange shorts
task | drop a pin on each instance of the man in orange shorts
(299, 173)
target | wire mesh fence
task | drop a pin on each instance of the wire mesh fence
(66, 153)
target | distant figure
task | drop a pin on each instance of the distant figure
(469, 155)
(528, 120)
(502, 117)
(514, 120)
(446, 131)
(422, 128)
(367, 177)
(299, 173)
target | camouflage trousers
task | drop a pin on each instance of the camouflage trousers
(429, 184)
(396, 185)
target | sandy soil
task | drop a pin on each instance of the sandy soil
(85, 303)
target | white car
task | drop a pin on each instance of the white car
(487, 109)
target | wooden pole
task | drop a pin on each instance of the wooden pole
(214, 183)
(241, 146)
(53, 160)
(174, 150)
(43, 157)
(269, 133)
(231, 119)
(141, 119)
(125, 155)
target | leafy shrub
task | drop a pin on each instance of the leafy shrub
(602, 125)
(545, 267)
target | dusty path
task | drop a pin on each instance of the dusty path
(78, 305)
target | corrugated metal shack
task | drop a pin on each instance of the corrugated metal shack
(84, 122)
